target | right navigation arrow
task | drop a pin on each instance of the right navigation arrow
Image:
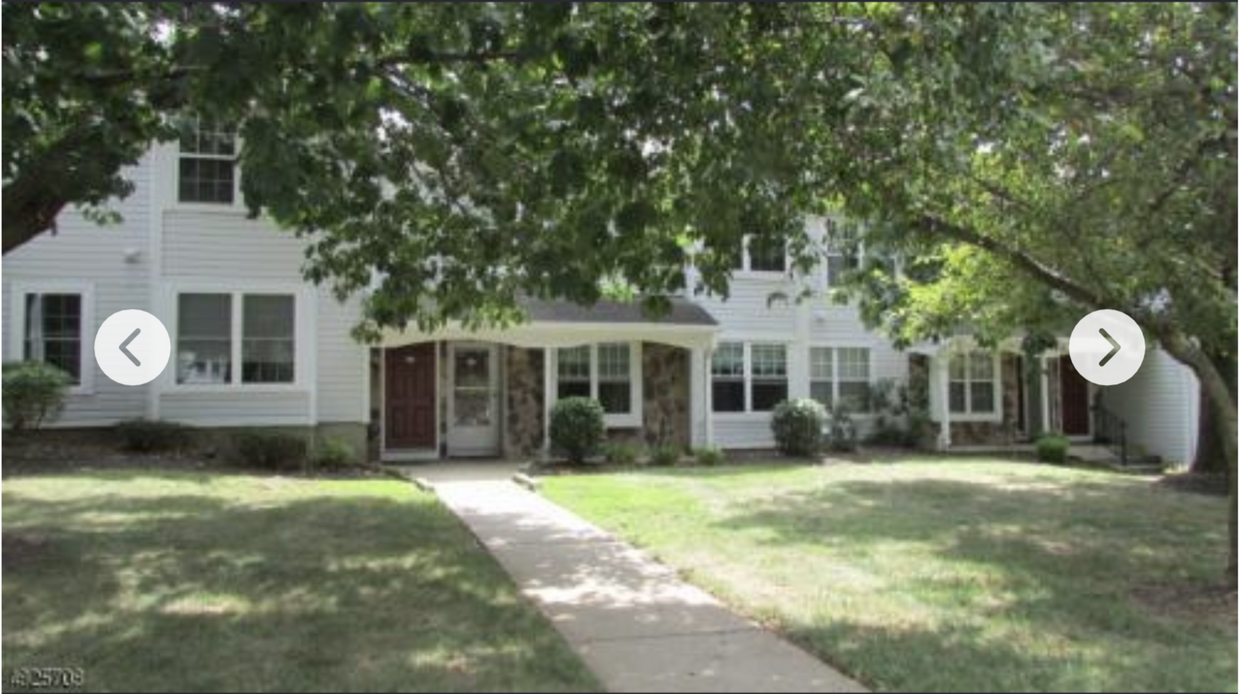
(1114, 347)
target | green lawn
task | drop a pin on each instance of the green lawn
(157, 581)
(949, 574)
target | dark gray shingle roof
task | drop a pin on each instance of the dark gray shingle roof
(684, 312)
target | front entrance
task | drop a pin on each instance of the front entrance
(473, 401)
(1074, 394)
(409, 387)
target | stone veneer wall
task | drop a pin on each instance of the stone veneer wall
(665, 395)
(991, 433)
(981, 433)
(523, 427)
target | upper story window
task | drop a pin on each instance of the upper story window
(843, 250)
(761, 254)
(54, 332)
(766, 255)
(608, 372)
(206, 168)
(973, 386)
(748, 377)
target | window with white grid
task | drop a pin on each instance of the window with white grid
(615, 390)
(841, 375)
(843, 254)
(971, 383)
(207, 165)
(573, 372)
(769, 376)
(727, 372)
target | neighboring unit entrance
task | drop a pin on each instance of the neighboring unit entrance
(1074, 393)
(409, 386)
(473, 405)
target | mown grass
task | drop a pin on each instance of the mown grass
(946, 574)
(163, 581)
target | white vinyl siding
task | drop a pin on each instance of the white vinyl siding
(1160, 405)
(108, 265)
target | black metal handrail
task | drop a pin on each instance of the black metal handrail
(1112, 431)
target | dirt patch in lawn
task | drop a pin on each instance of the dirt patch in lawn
(56, 452)
(22, 548)
(50, 452)
(1189, 601)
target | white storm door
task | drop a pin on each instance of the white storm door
(473, 403)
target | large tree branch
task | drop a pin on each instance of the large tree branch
(1030, 265)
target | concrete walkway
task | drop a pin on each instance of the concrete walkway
(630, 619)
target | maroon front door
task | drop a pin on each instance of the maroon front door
(1074, 392)
(410, 393)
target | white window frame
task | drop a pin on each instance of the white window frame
(834, 380)
(627, 420)
(197, 206)
(303, 332)
(829, 252)
(747, 365)
(746, 268)
(968, 415)
(17, 336)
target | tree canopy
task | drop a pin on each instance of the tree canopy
(1028, 161)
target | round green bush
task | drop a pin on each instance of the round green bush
(664, 455)
(577, 428)
(797, 425)
(33, 392)
(709, 456)
(1052, 448)
(334, 452)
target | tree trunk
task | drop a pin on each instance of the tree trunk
(1221, 396)
(1210, 458)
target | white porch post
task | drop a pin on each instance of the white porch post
(1046, 397)
(944, 383)
(548, 396)
(698, 415)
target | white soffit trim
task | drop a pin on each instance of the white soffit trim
(550, 334)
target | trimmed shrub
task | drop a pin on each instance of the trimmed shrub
(665, 455)
(33, 393)
(270, 450)
(577, 428)
(797, 425)
(1052, 448)
(334, 452)
(709, 456)
(841, 434)
(153, 436)
(620, 453)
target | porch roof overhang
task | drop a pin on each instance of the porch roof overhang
(561, 324)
